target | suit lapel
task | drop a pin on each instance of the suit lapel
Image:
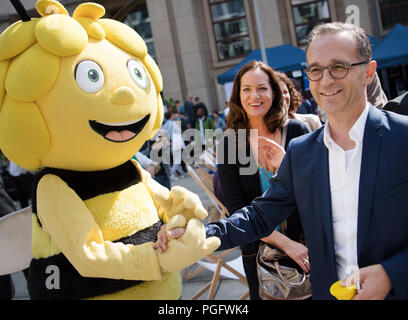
(371, 151)
(321, 156)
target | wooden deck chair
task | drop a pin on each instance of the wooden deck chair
(221, 269)
(15, 241)
(204, 180)
(208, 159)
(215, 263)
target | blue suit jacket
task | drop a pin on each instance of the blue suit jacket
(303, 184)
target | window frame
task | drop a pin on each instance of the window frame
(131, 8)
(313, 22)
(211, 3)
(383, 7)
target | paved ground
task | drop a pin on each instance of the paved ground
(226, 290)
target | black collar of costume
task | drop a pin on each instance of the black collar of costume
(92, 183)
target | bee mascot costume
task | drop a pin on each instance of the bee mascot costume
(78, 97)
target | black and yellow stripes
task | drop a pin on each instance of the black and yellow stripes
(125, 213)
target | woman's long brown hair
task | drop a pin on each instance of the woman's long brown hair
(277, 114)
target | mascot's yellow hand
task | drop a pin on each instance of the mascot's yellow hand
(181, 201)
(189, 248)
(177, 221)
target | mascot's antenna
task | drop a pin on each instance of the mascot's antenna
(20, 10)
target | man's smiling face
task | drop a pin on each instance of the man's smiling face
(337, 95)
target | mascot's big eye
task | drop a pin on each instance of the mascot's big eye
(89, 76)
(138, 73)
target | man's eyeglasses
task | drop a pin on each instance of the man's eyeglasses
(336, 70)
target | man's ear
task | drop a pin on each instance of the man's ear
(371, 68)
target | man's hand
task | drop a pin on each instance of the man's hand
(374, 283)
(167, 232)
(270, 154)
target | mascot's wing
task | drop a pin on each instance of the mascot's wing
(15, 241)
(74, 230)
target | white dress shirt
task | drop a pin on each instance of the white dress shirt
(344, 170)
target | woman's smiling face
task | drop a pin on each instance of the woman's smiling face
(256, 93)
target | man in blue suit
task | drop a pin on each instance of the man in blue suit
(348, 180)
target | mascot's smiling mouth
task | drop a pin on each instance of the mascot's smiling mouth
(119, 131)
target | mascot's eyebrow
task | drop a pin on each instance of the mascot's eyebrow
(20, 10)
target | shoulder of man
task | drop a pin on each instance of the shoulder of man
(306, 140)
(297, 127)
(398, 105)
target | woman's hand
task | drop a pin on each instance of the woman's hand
(295, 250)
(270, 154)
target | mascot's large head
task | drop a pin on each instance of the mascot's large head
(78, 93)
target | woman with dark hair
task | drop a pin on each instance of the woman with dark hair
(256, 103)
(292, 99)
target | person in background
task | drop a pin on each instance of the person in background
(308, 105)
(180, 108)
(198, 104)
(189, 110)
(156, 146)
(226, 109)
(202, 123)
(398, 105)
(375, 94)
(175, 135)
(148, 164)
(292, 100)
(219, 122)
(6, 206)
(22, 181)
(180, 118)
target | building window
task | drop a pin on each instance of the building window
(139, 20)
(306, 15)
(392, 12)
(230, 28)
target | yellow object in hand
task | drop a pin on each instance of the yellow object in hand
(343, 293)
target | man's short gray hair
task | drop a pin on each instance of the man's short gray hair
(364, 49)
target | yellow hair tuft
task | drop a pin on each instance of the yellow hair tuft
(124, 37)
(49, 7)
(93, 11)
(92, 27)
(17, 38)
(154, 71)
(32, 74)
(61, 35)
